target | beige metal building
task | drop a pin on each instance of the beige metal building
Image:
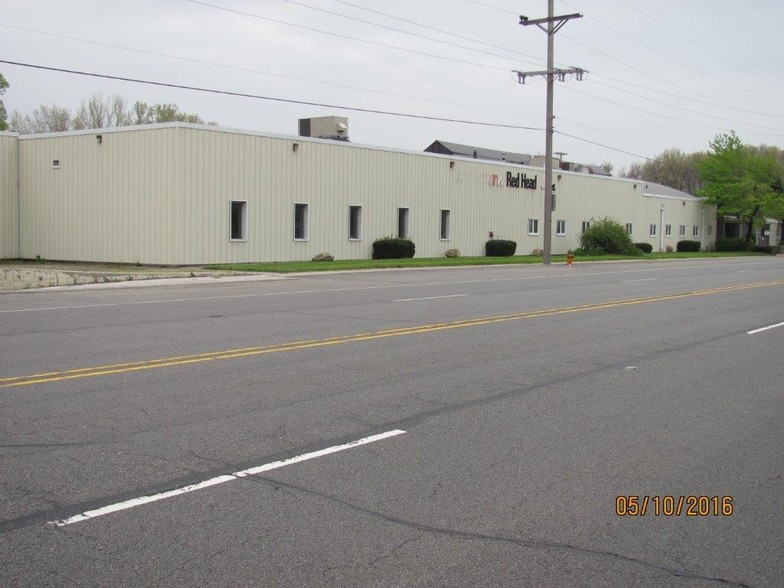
(188, 194)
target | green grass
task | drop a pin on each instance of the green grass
(285, 267)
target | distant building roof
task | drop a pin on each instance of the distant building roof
(652, 189)
(587, 169)
(445, 148)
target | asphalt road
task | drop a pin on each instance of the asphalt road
(500, 412)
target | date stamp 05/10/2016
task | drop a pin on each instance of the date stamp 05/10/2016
(674, 506)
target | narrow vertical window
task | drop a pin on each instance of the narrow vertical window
(300, 222)
(668, 230)
(653, 230)
(586, 225)
(682, 231)
(239, 220)
(402, 223)
(446, 229)
(355, 223)
(710, 230)
(695, 231)
(629, 228)
(560, 228)
(533, 226)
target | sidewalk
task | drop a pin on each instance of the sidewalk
(31, 275)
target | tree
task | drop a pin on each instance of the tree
(4, 85)
(739, 181)
(98, 112)
(672, 168)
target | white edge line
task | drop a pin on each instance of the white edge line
(755, 331)
(430, 298)
(641, 280)
(134, 502)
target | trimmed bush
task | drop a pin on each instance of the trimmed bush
(500, 248)
(762, 248)
(644, 247)
(393, 248)
(607, 236)
(731, 244)
(689, 245)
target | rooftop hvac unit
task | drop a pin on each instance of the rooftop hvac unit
(324, 127)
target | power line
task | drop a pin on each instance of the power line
(696, 44)
(348, 37)
(308, 103)
(602, 145)
(671, 58)
(389, 28)
(682, 108)
(492, 7)
(256, 71)
(442, 31)
(682, 97)
(271, 98)
(680, 120)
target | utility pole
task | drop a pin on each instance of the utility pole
(554, 24)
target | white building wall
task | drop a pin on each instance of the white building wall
(117, 200)
(9, 195)
(161, 194)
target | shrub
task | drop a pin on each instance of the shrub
(393, 248)
(762, 248)
(689, 245)
(731, 244)
(500, 248)
(607, 236)
(644, 247)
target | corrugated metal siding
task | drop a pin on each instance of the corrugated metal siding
(162, 195)
(8, 196)
(119, 200)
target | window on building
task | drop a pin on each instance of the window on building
(56, 164)
(668, 230)
(710, 230)
(301, 222)
(629, 228)
(695, 231)
(402, 223)
(653, 230)
(533, 226)
(355, 223)
(560, 228)
(239, 220)
(586, 225)
(446, 229)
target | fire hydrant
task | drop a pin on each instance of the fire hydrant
(569, 257)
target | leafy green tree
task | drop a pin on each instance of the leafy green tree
(739, 181)
(4, 85)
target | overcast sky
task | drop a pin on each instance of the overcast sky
(662, 73)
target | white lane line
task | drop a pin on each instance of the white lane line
(430, 298)
(641, 280)
(743, 271)
(768, 328)
(134, 502)
(358, 288)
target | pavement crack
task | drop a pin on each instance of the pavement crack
(507, 539)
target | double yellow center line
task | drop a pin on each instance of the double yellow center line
(122, 368)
